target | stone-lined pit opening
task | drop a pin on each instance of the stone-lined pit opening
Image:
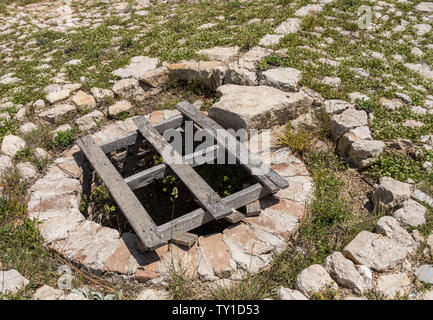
(158, 197)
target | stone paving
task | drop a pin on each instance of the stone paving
(372, 260)
(244, 247)
(384, 262)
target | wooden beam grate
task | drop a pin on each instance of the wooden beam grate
(212, 206)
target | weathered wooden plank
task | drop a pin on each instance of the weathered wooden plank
(199, 217)
(270, 179)
(137, 216)
(146, 177)
(185, 239)
(120, 142)
(253, 209)
(235, 217)
(131, 137)
(196, 184)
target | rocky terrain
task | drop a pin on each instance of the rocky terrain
(354, 83)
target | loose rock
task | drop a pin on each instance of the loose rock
(118, 107)
(47, 293)
(411, 214)
(89, 120)
(390, 193)
(139, 66)
(343, 271)
(57, 96)
(314, 279)
(289, 294)
(375, 251)
(391, 228)
(83, 100)
(12, 281)
(424, 273)
(348, 119)
(257, 107)
(285, 79)
(362, 153)
(101, 94)
(11, 145)
(392, 284)
(57, 112)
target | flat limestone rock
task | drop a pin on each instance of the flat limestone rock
(309, 9)
(217, 254)
(285, 79)
(422, 69)
(425, 273)
(57, 112)
(224, 54)
(289, 294)
(257, 107)
(411, 213)
(424, 7)
(343, 271)
(48, 293)
(209, 73)
(57, 96)
(391, 193)
(11, 281)
(375, 251)
(348, 119)
(138, 67)
(12, 144)
(392, 284)
(291, 25)
(314, 279)
(392, 229)
(119, 107)
(270, 40)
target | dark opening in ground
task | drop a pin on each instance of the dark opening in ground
(164, 199)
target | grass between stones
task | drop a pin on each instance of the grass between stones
(173, 35)
(329, 225)
(21, 246)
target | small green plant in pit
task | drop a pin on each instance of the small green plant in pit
(65, 138)
(99, 207)
(224, 179)
(298, 141)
